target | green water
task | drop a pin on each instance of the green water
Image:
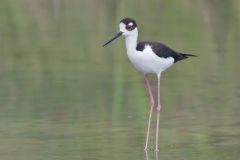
(65, 97)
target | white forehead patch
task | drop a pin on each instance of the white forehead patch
(122, 27)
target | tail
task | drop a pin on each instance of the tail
(182, 56)
(188, 55)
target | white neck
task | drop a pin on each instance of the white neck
(131, 42)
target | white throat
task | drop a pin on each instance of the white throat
(131, 42)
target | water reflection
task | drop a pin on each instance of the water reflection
(146, 155)
(156, 155)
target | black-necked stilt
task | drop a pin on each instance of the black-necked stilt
(148, 57)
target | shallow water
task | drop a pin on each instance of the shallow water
(63, 96)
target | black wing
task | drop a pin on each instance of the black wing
(162, 50)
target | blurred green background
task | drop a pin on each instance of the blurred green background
(64, 96)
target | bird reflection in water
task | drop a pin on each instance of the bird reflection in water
(156, 155)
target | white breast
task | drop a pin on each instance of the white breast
(147, 61)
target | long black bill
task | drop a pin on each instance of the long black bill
(115, 37)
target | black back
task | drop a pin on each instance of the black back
(162, 50)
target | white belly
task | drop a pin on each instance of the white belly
(149, 62)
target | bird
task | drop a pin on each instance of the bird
(148, 57)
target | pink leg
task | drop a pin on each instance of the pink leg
(151, 103)
(158, 112)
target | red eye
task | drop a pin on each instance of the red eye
(129, 28)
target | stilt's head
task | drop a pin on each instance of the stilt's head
(128, 27)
